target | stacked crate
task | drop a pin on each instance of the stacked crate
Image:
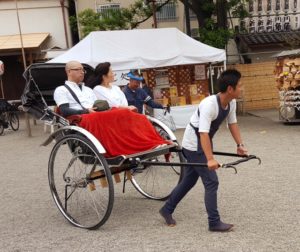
(287, 74)
(183, 89)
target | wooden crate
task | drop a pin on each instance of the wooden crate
(178, 101)
(196, 99)
(163, 101)
(173, 92)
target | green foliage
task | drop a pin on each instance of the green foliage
(238, 8)
(115, 19)
(214, 36)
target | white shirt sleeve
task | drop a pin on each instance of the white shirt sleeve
(61, 95)
(231, 118)
(208, 112)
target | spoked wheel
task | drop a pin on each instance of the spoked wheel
(14, 121)
(80, 182)
(157, 182)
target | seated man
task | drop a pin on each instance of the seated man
(64, 98)
(120, 131)
(135, 95)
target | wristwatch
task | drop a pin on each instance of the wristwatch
(240, 145)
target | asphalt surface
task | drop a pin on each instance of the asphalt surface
(262, 201)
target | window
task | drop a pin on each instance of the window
(277, 7)
(252, 26)
(260, 25)
(269, 5)
(277, 24)
(251, 8)
(295, 4)
(259, 5)
(106, 9)
(286, 4)
(269, 25)
(167, 12)
(296, 23)
(286, 25)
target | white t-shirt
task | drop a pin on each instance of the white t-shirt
(113, 95)
(86, 96)
(209, 110)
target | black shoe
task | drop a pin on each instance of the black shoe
(168, 218)
(221, 227)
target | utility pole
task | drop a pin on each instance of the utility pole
(21, 38)
(187, 18)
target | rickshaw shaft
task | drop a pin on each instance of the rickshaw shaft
(173, 164)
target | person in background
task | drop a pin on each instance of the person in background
(135, 95)
(101, 81)
(198, 148)
(65, 100)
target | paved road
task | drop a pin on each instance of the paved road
(262, 201)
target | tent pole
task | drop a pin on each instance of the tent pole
(211, 79)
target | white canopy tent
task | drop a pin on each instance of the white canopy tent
(142, 49)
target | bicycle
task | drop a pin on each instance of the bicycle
(8, 116)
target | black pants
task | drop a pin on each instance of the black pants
(190, 177)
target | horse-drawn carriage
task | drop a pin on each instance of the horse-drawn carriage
(80, 175)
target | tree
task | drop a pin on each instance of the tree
(212, 17)
(115, 19)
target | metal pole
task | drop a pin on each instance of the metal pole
(211, 79)
(21, 38)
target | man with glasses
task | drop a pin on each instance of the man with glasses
(65, 96)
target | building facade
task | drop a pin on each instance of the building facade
(171, 15)
(273, 26)
(42, 24)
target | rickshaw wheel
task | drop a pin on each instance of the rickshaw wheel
(14, 121)
(157, 182)
(80, 182)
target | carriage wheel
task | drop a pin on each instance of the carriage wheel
(14, 121)
(80, 182)
(157, 182)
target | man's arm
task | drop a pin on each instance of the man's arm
(148, 100)
(235, 132)
(67, 111)
(212, 164)
(154, 104)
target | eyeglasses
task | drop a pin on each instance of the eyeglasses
(78, 69)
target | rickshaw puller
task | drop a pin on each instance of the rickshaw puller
(197, 148)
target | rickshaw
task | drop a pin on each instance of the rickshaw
(80, 176)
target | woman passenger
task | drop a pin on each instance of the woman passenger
(101, 82)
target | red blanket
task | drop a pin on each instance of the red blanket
(121, 131)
